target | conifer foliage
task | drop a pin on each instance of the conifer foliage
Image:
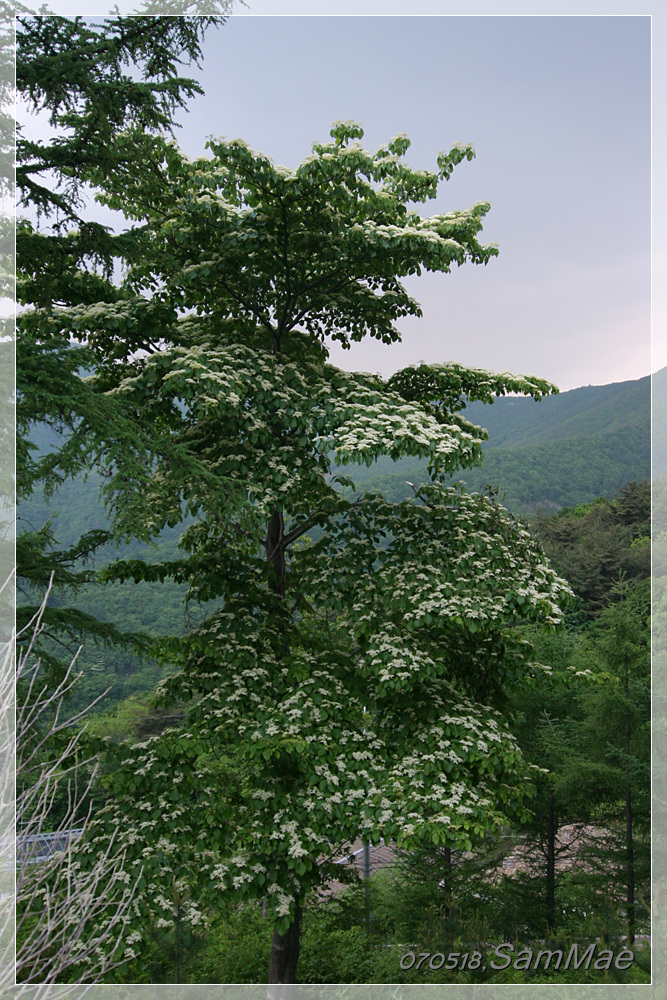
(111, 88)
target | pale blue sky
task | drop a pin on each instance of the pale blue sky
(559, 111)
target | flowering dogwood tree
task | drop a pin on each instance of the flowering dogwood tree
(345, 686)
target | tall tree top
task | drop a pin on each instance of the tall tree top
(320, 248)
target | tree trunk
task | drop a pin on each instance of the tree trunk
(284, 957)
(367, 875)
(284, 947)
(552, 826)
(446, 881)
(630, 868)
(629, 843)
(447, 855)
(275, 552)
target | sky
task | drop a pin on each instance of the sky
(559, 111)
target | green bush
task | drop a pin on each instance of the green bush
(237, 949)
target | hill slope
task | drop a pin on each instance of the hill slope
(586, 412)
(567, 449)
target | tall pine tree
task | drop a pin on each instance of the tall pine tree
(111, 89)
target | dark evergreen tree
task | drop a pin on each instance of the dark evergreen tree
(597, 545)
(545, 710)
(111, 89)
(615, 746)
(592, 734)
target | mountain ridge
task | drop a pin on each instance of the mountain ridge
(563, 415)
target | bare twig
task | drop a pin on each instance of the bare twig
(69, 917)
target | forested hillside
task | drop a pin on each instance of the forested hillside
(591, 410)
(152, 608)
